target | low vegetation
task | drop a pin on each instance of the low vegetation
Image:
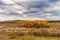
(30, 30)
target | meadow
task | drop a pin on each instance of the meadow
(30, 30)
(26, 37)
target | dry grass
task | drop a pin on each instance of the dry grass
(26, 37)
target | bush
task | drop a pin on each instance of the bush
(45, 33)
(35, 33)
(12, 37)
(20, 34)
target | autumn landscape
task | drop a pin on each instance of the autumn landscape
(29, 19)
(30, 30)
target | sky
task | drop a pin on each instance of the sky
(29, 10)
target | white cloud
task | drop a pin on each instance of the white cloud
(1, 10)
(7, 1)
(29, 9)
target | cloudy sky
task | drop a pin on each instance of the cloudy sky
(29, 10)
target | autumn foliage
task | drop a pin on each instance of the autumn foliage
(32, 27)
(26, 23)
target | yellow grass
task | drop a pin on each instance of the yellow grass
(26, 37)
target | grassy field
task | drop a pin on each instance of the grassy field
(17, 36)
(26, 37)
(30, 30)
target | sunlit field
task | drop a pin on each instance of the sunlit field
(30, 30)
(31, 36)
(26, 37)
